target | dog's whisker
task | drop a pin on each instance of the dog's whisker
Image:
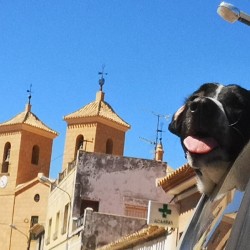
(233, 124)
(239, 133)
(213, 125)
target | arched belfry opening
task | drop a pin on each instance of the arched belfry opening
(103, 129)
(6, 158)
(26, 145)
(109, 146)
(78, 144)
(35, 155)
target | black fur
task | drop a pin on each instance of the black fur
(219, 112)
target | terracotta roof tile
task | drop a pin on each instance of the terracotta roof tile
(180, 175)
(97, 108)
(27, 117)
(144, 235)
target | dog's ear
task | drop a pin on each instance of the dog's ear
(175, 125)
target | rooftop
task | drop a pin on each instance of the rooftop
(28, 118)
(136, 238)
(98, 108)
(184, 174)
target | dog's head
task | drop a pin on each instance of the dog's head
(214, 126)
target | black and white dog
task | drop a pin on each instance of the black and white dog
(214, 127)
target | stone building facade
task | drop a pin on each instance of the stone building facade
(116, 189)
(95, 175)
(25, 150)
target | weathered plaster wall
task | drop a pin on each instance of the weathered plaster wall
(58, 199)
(25, 208)
(114, 180)
(101, 229)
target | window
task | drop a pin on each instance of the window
(49, 232)
(35, 155)
(109, 146)
(79, 144)
(88, 203)
(136, 211)
(55, 235)
(135, 207)
(65, 219)
(33, 221)
(6, 158)
(37, 198)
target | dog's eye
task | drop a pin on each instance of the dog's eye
(192, 98)
(235, 106)
(233, 115)
(234, 101)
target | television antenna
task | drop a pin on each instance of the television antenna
(159, 130)
(159, 127)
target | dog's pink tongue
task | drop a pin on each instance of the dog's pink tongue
(200, 145)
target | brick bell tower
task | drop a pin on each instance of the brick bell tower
(25, 148)
(95, 128)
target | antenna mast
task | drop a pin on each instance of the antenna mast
(158, 132)
(158, 129)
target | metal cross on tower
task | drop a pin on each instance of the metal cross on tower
(29, 91)
(102, 80)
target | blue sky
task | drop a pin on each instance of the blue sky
(156, 53)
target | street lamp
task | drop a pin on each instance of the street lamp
(47, 180)
(232, 14)
(28, 238)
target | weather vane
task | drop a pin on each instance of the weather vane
(102, 80)
(29, 91)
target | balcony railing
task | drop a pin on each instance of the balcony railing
(79, 222)
(71, 165)
(62, 175)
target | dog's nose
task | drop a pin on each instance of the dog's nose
(200, 104)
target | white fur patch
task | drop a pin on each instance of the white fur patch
(178, 112)
(217, 92)
(215, 98)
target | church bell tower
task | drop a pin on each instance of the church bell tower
(25, 148)
(95, 127)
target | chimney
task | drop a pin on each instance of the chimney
(159, 152)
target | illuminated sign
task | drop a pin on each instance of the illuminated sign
(161, 214)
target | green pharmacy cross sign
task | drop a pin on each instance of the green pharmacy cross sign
(163, 214)
(165, 211)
